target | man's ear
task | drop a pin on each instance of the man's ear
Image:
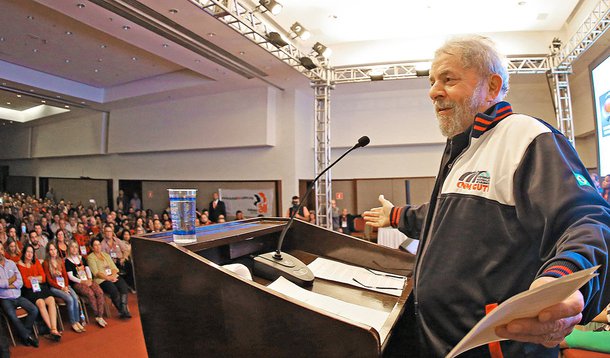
(494, 85)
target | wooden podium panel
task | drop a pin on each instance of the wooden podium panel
(191, 306)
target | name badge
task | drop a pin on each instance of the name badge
(82, 275)
(83, 250)
(35, 285)
(113, 255)
(108, 271)
(60, 281)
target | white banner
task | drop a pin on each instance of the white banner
(252, 202)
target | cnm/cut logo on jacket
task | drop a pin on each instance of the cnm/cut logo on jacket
(474, 181)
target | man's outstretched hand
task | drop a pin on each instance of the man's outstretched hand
(551, 325)
(380, 216)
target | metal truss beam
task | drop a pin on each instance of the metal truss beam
(399, 71)
(248, 23)
(592, 28)
(322, 151)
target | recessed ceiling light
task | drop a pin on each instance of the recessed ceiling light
(82, 103)
(58, 96)
(211, 34)
(103, 46)
(8, 102)
(67, 60)
(198, 60)
(125, 27)
(242, 52)
(68, 32)
(43, 101)
(30, 17)
(31, 90)
(165, 45)
(134, 58)
(18, 96)
(80, 5)
(67, 106)
(173, 11)
(2, 39)
(96, 70)
(99, 60)
(35, 50)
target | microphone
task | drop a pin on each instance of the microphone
(272, 265)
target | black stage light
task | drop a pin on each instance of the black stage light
(308, 63)
(276, 39)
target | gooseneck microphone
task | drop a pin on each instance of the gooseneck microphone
(271, 265)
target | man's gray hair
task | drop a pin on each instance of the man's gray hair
(479, 53)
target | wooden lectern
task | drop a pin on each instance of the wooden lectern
(192, 307)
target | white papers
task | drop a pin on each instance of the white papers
(370, 317)
(358, 276)
(525, 304)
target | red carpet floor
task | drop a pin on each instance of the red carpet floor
(121, 338)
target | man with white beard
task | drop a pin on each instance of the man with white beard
(512, 208)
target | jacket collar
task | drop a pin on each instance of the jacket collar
(490, 118)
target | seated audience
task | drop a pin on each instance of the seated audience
(119, 251)
(36, 290)
(57, 277)
(81, 281)
(345, 222)
(61, 245)
(10, 298)
(239, 215)
(81, 237)
(12, 251)
(106, 274)
(38, 248)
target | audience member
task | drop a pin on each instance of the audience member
(106, 274)
(135, 202)
(12, 251)
(345, 222)
(43, 237)
(122, 203)
(216, 208)
(221, 219)
(303, 213)
(38, 248)
(57, 277)
(81, 281)
(62, 246)
(36, 290)
(335, 214)
(606, 188)
(10, 298)
(239, 215)
(81, 237)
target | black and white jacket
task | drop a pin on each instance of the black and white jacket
(512, 202)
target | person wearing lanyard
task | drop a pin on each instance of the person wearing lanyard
(36, 290)
(106, 274)
(119, 253)
(57, 277)
(81, 281)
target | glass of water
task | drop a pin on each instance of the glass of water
(182, 203)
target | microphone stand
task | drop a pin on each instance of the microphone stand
(271, 265)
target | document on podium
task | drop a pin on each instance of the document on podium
(369, 316)
(358, 276)
(523, 305)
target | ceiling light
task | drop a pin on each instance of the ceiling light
(300, 31)
(211, 34)
(2, 39)
(134, 58)
(30, 17)
(242, 53)
(125, 27)
(322, 50)
(67, 106)
(173, 11)
(276, 39)
(18, 96)
(80, 5)
(43, 101)
(35, 50)
(67, 60)
(377, 73)
(8, 102)
(96, 70)
(68, 32)
(308, 63)
(165, 45)
(271, 5)
(103, 46)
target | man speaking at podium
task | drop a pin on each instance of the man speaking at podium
(512, 207)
